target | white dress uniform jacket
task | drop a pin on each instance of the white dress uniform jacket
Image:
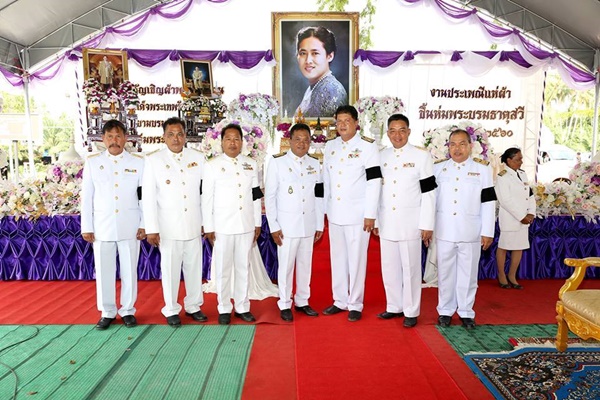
(461, 215)
(228, 190)
(351, 194)
(294, 195)
(407, 203)
(515, 197)
(172, 194)
(109, 196)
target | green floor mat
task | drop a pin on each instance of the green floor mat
(145, 362)
(492, 338)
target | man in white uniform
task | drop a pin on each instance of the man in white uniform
(352, 182)
(464, 224)
(294, 207)
(111, 219)
(172, 188)
(406, 216)
(231, 207)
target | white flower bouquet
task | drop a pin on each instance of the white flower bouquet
(376, 110)
(436, 140)
(255, 140)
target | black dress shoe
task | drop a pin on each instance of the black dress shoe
(390, 315)
(286, 315)
(444, 320)
(504, 285)
(246, 316)
(104, 323)
(468, 323)
(410, 322)
(354, 316)
(224, 319)
(307, 310)
(515, 285)
(198, 316)
(129, 321)
(174, 321)
(332, 310)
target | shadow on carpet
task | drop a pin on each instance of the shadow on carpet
(527, 372)
(148, 361)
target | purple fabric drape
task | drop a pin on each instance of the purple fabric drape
(385, 59)
(52, 248)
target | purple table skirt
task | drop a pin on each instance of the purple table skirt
(52, 248)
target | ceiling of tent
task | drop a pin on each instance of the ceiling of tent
(37, 30)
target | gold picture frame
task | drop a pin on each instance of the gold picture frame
(293, 74)
(197, 78)
(108, 67)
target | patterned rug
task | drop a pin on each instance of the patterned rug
(539, 373)
(550, 342)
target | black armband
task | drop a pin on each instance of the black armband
(488, 194)
(201, 186)
(319, 190)
(257, 193)
(530, 192)
(428, 184)
(139, 193)
(373, 173)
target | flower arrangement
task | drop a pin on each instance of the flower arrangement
(586, 175)
(436, 140)
(128, 93)
(65, 172)
(285, 128)
(376, 110)
(255, 140)
(93, 92)
(320, 138)
(255, 108)
(562, 198)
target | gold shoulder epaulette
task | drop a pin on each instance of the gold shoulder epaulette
(367, 139)
(330, 139)
(439, 161)
(94, 155)
(420, 148)
(283, 153)
(480, 161)
(313, 156)
(152, 152)
(195, 149)
(501, 173)
(138, 155)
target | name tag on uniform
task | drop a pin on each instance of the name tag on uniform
(192, 164)
(473, 174)
(355, 153)
(247, 167)
(408, 165)
(130, 171)
(311, 170)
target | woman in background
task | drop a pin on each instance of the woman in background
(316, 48)
(517, 211)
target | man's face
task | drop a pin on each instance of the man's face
(312, 59)
(114, 140)
(398, 132)
(174, 137)
(460, 147)
(300, 142)
(232, 143)
(346, 126)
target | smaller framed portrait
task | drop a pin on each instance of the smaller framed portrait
(197, 78)
(109, 67)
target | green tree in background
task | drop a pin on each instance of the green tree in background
(569, 113)
(366, 18)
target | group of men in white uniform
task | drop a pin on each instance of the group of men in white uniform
(397, 194)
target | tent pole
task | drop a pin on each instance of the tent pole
(596, 101)
(32, 171)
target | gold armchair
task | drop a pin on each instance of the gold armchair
(578, 310)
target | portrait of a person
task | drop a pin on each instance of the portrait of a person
(315, 50)
(197, 76)
(106, 72)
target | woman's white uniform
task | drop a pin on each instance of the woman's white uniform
(516, 200)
